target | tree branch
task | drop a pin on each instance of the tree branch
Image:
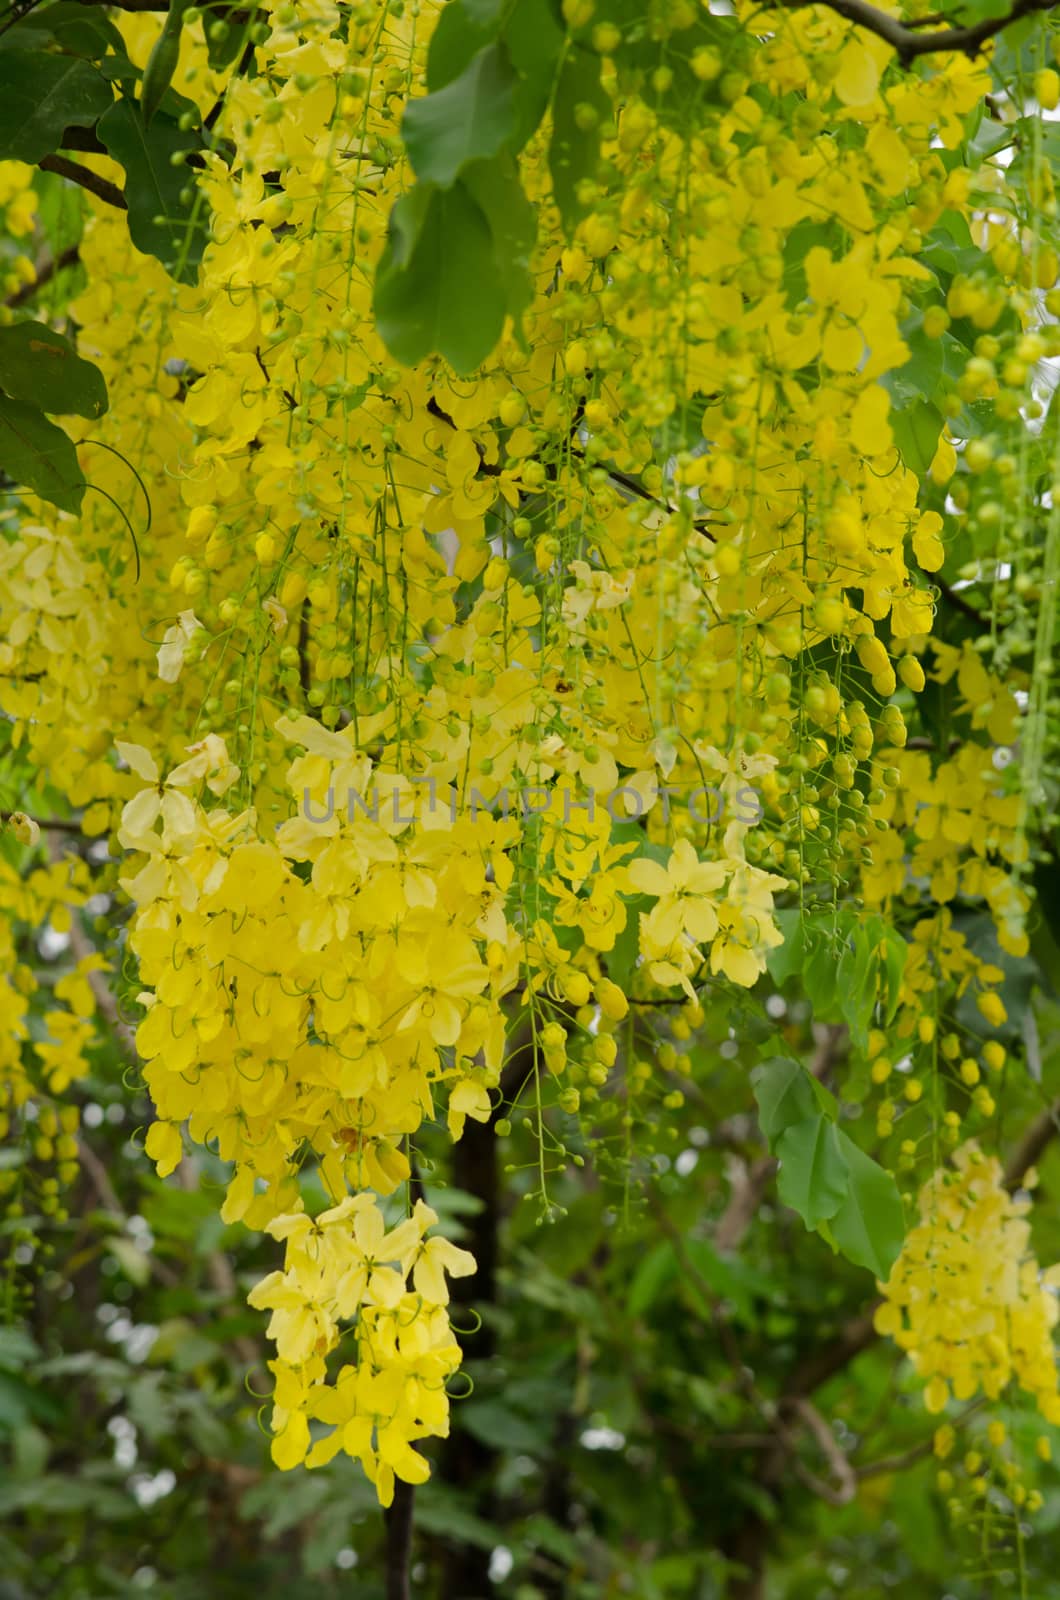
(100, 187)
(45, 273)
(908, 43)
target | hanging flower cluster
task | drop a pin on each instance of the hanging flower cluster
(621, 634)
(345, 1265)
(967, 1299)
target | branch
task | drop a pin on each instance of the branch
(45, 273)
(398, 1522)
(1030, 1147)
(908, 1458)
(46, 825)
(909, 43)
(100, 187)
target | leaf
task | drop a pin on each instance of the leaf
(916, 430)
(17, 1348)
(535, 43)
(784, 960)
(441, 290)
(462, 31)
(869, 1226)
(162, 62)
(574, 152)
(820, 973)
(79, 30)
(161, 224)
(495, 1424)
(812, 1178)
(42, 368)
(38, 455)
(40, 96)
(134, 1262)
(654, 1271)
(513, 224)
(471, 119)
(785, 1096)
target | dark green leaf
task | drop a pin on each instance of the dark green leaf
(574, 152)
(869, 1225)
(38, 455)
(535, 43)
(457, 39)
(438, 287)
(160, 223)
(42, 368)
(496, 188)
(40, 96)
(471, 119)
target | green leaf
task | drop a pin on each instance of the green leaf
(535, 43)
(495, 186)
(40, 96)
(438, 286)
(919, 378)
(654, 1271)
(162, 62)
(574, 152)
(812, 1178)
(820, 972)
(38, 455)
(916, 430)
(471, 119)
(42, 368)
(785, 1096)
(869, 1225)
(784, 960)
(135, 1264)
(461, 32)
(160, 223)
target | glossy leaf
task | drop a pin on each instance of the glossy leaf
(40, 96)
(161, 223)
(37, 455)
(41, 368)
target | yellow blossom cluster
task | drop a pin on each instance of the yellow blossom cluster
(966, 1298)
(537, 633)
(343, 1265)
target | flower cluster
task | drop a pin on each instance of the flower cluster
(966, 1298)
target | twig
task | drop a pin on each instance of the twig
(45, 824)
(100, 187)
(908, 43)
(45, 273)
(397, 1520)
(958, 600)
(916, 1452)
(1030, 1147)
